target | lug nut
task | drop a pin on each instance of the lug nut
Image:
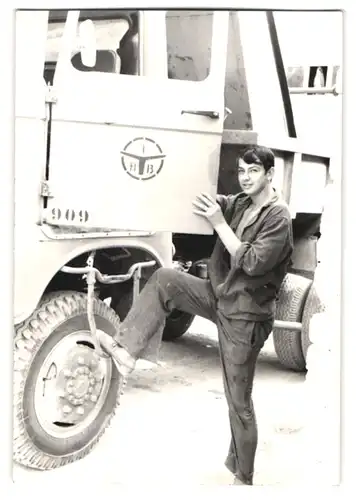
(67, 373)
(86, 397)
(90, 390)
(81, 360)
(80, 411)
(94, 398)
(67, 409)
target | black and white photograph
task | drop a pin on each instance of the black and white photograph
(177, 246)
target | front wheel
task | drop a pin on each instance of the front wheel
(64, 393)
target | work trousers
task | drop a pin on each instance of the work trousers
(240, 342)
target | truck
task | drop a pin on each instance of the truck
(121, 118)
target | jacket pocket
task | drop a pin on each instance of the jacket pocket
(262, 294)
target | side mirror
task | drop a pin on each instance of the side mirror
(87, 43)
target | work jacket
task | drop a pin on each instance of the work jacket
(246, 285)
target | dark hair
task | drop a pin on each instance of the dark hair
(260, 155)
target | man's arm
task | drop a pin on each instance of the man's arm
(262, 254)
(229, 238)
(257, 257)
(213, 212)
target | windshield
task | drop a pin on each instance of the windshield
(116, 31)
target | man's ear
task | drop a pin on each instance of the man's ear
(270, 174)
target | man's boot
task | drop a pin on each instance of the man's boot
(125, 363)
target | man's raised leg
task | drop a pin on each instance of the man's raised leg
(140, 334)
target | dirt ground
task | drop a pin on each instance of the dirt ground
(173, 423)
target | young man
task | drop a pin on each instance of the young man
(246, 269)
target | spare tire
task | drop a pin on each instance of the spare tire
(290, 306)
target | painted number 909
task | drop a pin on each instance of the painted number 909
(69, 215)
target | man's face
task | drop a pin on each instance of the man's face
(252, 177)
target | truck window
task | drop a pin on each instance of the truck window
(312, 76)
(311, 46)
(117, 35)
(189, 38)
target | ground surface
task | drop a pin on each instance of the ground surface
(173, 423)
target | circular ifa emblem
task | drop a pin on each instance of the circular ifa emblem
(142, 158)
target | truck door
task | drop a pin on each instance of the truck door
(131, 152)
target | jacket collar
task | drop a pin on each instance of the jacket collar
(244, 201)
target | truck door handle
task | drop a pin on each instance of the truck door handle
(214, 115)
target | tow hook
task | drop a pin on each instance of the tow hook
(91, 274)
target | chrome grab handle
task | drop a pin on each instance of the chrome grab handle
(214, 115)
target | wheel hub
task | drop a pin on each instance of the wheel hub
(72, 386)
(79, 383)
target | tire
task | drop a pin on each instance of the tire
(60, 322)
(313, 305)
(290, 306)
(177, 324)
